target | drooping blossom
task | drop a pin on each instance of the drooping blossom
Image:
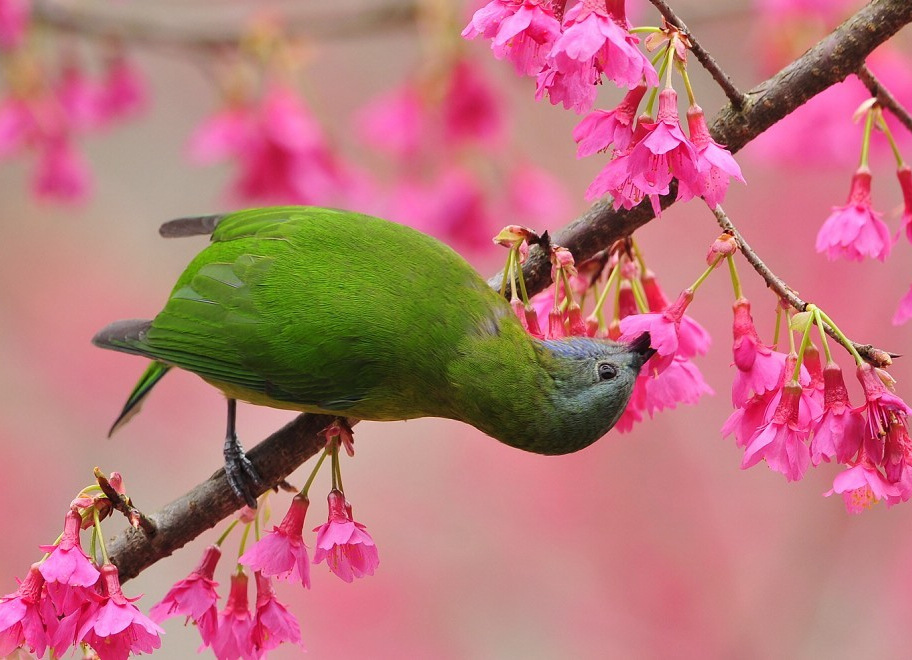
(759, 367)
(534, 194)
(78, 95)
(882, 407)
(395, 122)
(116, 628)
(234, 636)
(904, 310)
(855, 231)
(636, 406)
(904, 174)
(602, 129)
(122, 92)
(897, 451)
(839, 431)
(273, 624)
(61, 172)
(669, 334)
(344, 544)
(68, 568)
(782, 441)
(715, 164)
(861, 486)
(521, 31)
(21, 623)
(14, 18)
(470, 109)
(595, 41)
(281, 553)
(194, 597)
(680, 382)
(747, 418)
(659, 153)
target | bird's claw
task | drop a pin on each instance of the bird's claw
(242, 476)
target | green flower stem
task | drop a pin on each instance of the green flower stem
(639, 294)
(568, 290)
(682, 69)
(313, 473)
(638, 255)
(243, 544)
(736, 281)
(866, 139)
(818, 321)
(508, 271)
(702, 278)
(612, 278)
(228, 530)
(522, 280)
(805, 342)
(667, 67)
(97, 534)
(645, 29)
(778, 325)
(841, 338)
(900, 163)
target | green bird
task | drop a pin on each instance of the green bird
(325, 311)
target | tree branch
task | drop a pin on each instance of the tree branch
(883, 96)
(875, 356)
(829, 62)
(735, 96)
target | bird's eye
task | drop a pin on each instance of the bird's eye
(607, 371)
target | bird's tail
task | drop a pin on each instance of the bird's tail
(128, 337)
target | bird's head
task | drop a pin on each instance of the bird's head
(593, 381)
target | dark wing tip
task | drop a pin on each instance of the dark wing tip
(201, 225)
(118, 333)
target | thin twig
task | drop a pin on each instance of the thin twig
(876, 356)
(735, 96)
(123, 504)
(883, 96)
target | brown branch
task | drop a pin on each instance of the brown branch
(123, 504)
(875, 356)
(735, 95)
(139, 30)
(830, 61)
(883, 96)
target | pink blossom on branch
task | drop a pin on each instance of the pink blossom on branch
(344, 544)
(281, 552)
(904, 174)
(521, 31)
(14, 18)
(21, 623)
(839, 431)
(680, 382)
(62, 172)
(273, 624)
(595, 41)
(67, 563)
(781, 442)
(234, 636)
(883, 409)
(861, 486)
(715, 164)
(904, 310)
(855, 231)
(759, 367)
(194, 597)
(602, 129)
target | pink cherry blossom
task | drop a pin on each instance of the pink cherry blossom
(680, 382)
(234, 637)
(78, 95)
(897, 450)
(855, 231)
(715, 164)
(747, 418)
(636, 406)
(839, 431)
(62, 172)
(534, 194)
(21, 623)
(904, 174)
(759, 367)
(18, 126)
(395, 123)
(521, 31)
(670, 331)
(883, 408)
(601, 129)
(904, 310)
(273, 624)
(14, 18)
(471, 110)
(595, 41)
(281, 553)
(68, 565)
(123, 90)
(194, 597)
(782, 441)
(346, 546)
(861, 486)
(116, 627)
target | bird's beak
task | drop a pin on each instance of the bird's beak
(642, 346)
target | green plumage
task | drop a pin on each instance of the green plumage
(327, 311)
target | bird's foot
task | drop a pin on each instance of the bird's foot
(341, 428)
(242, 476)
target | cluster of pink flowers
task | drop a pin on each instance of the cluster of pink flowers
(568, 53)
(429, 131)
(49, 105)
(235, 632)
(648, 154)
(66, 600)
(670, 377)
(279, 150)
(793, 415)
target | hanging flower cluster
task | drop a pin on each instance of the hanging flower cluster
(71, 599)
(571, 52)
(52, 99)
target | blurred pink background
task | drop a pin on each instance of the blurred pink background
(650, 544)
